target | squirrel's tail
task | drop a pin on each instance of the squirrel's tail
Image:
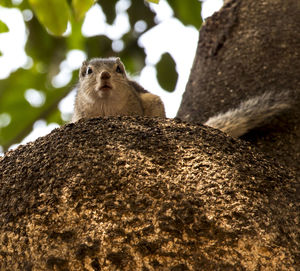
(251, 113)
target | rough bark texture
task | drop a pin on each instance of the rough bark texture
(247, 48)
(152, 194)
(145, 194)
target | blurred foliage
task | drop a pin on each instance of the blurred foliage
(154, 1)
(166, 69)
(47, 46)
(187, 11)
(53, 14)
(81, 7)
(3, 27)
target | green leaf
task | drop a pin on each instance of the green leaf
(6, 3)
(188, 12)
(166, 73)
(80, 7)
(153, 1)
(3, 27)
(52, 14)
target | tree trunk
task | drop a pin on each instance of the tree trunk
(246, 49)
(145, 194)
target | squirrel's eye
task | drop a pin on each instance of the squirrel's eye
(119, 70)
(89, 70)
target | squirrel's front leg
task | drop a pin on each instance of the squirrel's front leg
(153, 105)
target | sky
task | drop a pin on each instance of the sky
(168, 32)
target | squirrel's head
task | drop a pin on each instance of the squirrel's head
(102, 76)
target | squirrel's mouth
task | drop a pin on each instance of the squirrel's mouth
(105, 87)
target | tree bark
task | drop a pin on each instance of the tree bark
(246, 49)
(145, 194)
(152, 194)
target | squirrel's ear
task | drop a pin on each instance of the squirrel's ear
(82, 71)
(119, 61)
(121, 65)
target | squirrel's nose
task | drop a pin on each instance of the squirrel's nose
(105, 75)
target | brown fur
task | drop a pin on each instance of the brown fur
(251, 113)
(122, 97)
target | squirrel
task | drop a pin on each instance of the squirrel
(105, 90)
